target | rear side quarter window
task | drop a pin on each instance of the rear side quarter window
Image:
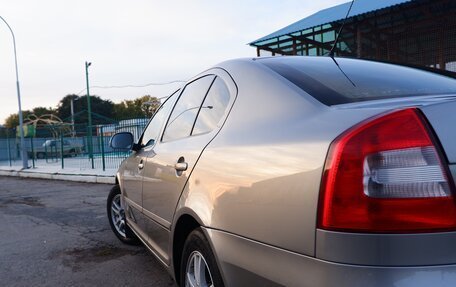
(213, 108)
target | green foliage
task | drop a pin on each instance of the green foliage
(40, 111)
(12, 121)
(141, 107)
(102, 110)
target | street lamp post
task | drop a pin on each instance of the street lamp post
(89, 114)
(73, 133)
(21, 120)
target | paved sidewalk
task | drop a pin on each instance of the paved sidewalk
(55, 172)
(75, 169)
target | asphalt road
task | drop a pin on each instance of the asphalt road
(55, 233)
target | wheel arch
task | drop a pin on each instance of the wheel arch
(183, 226)
(118, 181)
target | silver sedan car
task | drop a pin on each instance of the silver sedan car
(297, 171)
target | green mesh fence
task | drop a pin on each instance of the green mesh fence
(69, 146)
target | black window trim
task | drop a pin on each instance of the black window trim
(201, 106)
(153, 116)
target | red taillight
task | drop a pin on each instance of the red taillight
(386, 176)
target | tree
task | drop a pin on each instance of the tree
(40, 111)
(63, 109)
(141, 107)
(102, 110)
(149, 105)
(12, 121)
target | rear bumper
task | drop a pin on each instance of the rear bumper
(245, 262)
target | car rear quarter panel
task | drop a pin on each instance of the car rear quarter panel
(259, 178)
(442, 117)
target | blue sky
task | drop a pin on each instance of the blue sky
(129, 43)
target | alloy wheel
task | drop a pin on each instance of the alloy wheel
(198, 273)
(118, 215)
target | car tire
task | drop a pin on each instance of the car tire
(117, 220)
(197, 252)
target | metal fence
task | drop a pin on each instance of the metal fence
(68, 146)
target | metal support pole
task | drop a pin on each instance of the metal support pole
(442, 50)
(8, 147)
(294, 47)
(89, 113)
(102, 149)
(21, 120)
(45, 150)
(90, 145)
(61, 150)
(33, 152)
(72, 118)
(359, 43)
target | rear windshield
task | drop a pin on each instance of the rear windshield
(347, 80)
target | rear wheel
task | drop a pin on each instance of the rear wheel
(198, 265)
(116, 217)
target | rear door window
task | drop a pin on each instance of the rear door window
(183, 116)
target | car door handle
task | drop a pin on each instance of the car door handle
(181, 166)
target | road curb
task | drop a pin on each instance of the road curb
(61, 176)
